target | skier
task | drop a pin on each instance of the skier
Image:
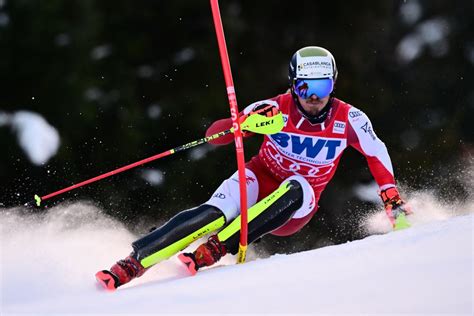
(284, 181)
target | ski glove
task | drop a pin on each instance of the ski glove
(394, 205)
(264, 109)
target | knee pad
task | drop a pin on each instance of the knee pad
(309, 199)
(227, 196)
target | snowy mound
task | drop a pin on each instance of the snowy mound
(49, 261)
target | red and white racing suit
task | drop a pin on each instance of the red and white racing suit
(311, 150)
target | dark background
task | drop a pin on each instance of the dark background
(94, 70)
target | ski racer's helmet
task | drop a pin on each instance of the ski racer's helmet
(312, 70)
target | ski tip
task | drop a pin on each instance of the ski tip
(189, 263)
(107, 279)
(401, 222)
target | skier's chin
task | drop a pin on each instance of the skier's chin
(313, 106)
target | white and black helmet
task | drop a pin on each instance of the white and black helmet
(312, 62)
(312, 72)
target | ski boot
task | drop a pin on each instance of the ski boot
(120, 273)
(204, 256)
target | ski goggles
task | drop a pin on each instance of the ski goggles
(305, 88)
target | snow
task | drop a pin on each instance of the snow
(101, 51)
(431, 34)
(145, 71)
(49, 261)
(185, 55)
(469, 52)
(63, 39)
(367, 192)
(154, 177)
(410, 12)
(38, 139)
(410, 138)
(154, 111)
(93, 94)
(4, 19)
(198, 153)
(4, 118)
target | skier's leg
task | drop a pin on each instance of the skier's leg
(180, 231)
(162, 243)
(295, 224)
(184, 228)
(294, 196)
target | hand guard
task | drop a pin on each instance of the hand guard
(394, 205)
(264, 109)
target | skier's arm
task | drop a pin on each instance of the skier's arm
(362, 137)
(267, 108)
(219, 126)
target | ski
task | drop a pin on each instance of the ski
(401, 222)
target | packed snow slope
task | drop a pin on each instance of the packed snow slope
(48, 264)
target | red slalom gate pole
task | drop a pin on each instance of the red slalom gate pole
(234, 112)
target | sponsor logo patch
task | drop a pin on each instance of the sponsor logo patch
(315, 150)
(339, 127)
(355, 114)
(285, 119)
(368, 130)
(315, 67)
(315, 174)
(219, 195)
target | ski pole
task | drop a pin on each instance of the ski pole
(253, 123)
